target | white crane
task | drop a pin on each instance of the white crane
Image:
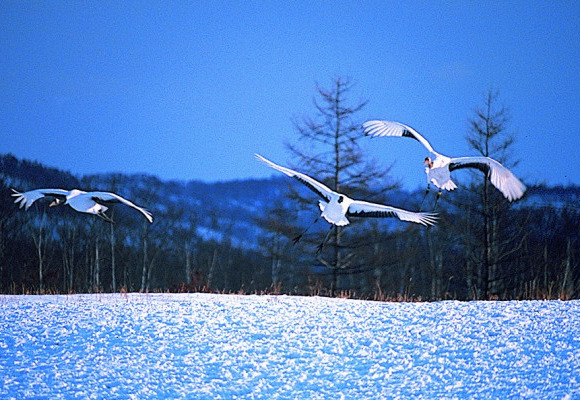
(336, 206)
(439, 170)
(85, 202)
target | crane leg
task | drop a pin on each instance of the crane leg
(297, 238)
(321, 245)
(105, 217)
(425, 196)
(437, 199)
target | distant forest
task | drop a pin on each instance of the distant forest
(236, 237)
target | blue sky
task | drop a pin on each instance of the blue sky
(190, 90)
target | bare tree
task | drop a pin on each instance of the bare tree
(93, 256)
(39, 236)
(69, 232)
(489, 136)
(328, 149)
(157, 239)
(276, 241)
(189, 237)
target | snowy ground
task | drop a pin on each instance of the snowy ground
(201, 346)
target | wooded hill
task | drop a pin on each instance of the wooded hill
(222, 237)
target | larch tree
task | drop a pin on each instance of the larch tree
(328, 149)
(496, 241)
(40, 235)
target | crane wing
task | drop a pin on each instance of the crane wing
(311, 183)
(365, 209)
(501, 177)
(108, 197)
(377, 128)
(26, 199)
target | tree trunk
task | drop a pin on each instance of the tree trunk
(211, 270)
(40, 254)
(337, 167)
(97, 266)
(436, 264)
(486, 243)
(566, 290)
(113, 260)
(337, 260)
(88, 264)
(149, 271)
(276, 262)
(40, 244)
(71, 274)
(494, 284)
(187, 264)
(144, 269)
(545, 266)
(68, 255)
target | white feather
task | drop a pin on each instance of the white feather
(336, 205)
(439, 172)
(78, 200)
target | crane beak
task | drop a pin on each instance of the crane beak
(54, 203)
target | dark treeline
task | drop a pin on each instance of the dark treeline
(230, 246)
(188, 247)
(535, 252)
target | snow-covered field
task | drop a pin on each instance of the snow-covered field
(202, 346)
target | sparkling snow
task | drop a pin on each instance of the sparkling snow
(203, 346)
